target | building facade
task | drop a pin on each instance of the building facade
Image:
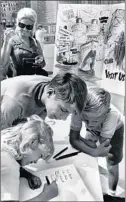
(46, 16)
(9, 11)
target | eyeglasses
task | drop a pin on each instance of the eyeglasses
(22, 25)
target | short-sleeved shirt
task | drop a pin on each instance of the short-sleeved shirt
(104, 126)
(18, 98)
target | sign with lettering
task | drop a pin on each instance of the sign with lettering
(90, 39)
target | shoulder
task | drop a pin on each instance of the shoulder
(11, 86)
(113, 115)
(21, 83)
(114, 110)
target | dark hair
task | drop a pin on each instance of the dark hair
(70, 88)
(93, 20)
(39, 26)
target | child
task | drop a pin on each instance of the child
(23, 96)
(104, 123)
(25, 143)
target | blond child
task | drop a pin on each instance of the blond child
(104, 123)
(20, 145)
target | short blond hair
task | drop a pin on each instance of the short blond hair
(28, 13)
(98, 101)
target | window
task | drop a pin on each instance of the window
(52, 29)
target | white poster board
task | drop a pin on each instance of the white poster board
(91, 38)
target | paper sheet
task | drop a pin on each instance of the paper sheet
(71, 186)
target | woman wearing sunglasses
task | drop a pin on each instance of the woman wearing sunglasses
(21, 53)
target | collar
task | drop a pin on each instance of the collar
(38, 91)
(33, 43)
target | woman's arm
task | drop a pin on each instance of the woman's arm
(7, 47)
(5, 57)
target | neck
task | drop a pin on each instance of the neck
(44, 95)
(22, 37)
(25, 38)
(40, 94)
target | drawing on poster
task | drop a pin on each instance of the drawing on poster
(91, 37)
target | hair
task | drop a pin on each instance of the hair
(28, 13)
(98, 101)
(39, 26)
(70, 88)
(16, 138)
(93, 20)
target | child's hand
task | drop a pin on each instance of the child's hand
(106, 140)
(34, 182)
(50, 191)
(102, 150)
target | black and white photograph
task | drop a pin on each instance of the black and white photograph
(62, 101)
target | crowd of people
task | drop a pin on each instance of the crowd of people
(28, 95)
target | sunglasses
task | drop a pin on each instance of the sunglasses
(22, 25)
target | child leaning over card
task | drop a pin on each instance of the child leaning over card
(104, 123)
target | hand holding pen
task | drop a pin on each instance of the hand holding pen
(50, 190)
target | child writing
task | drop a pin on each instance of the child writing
(20, 145)
(103, 123)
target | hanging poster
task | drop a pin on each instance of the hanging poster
(90, 39)
(113, 77)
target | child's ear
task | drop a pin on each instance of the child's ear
(50, 92)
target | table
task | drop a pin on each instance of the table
(86, 165)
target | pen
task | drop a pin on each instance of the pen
(68, 155)
(61, 152)
(47, 179)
